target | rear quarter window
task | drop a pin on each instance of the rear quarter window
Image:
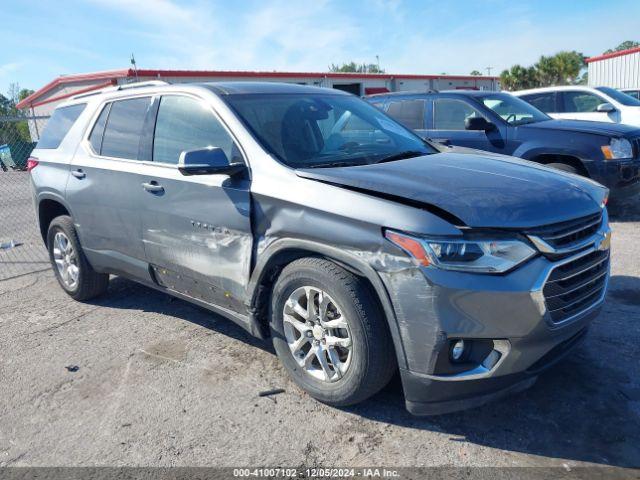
(59, 125)
(121, 138)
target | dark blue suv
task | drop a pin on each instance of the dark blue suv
(499, 122)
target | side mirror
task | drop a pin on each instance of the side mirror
(606, 108)
(208, 161)
(478, 123)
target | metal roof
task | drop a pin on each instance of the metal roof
(619, 53)
(110, 77)
(232, 88)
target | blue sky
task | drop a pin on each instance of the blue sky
(41, 40)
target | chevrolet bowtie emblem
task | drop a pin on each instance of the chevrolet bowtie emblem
(605, 243)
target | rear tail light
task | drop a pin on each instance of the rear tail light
(32, 163)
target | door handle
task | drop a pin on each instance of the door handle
(78, 173)
(444, 141)
(153, 187)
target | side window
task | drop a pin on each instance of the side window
(185, 123)
(122, 134)
(59, 125)
(542, 101)
(378, 104)
(580, 102)
(409, 113)
(95, 139)
(450, 114)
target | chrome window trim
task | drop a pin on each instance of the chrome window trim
(103, 102)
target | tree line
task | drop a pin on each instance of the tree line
(12, 131)
(563, 68)
(353, 67)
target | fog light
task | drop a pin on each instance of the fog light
(457, 351)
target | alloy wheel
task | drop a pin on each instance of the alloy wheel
(317, 333)
(66, 260)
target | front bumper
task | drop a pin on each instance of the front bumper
(622, 177)
(426, 395)
(435, 306)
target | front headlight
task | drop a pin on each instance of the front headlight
(480, 256)
(617, 148)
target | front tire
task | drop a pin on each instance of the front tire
(73, 272)
(565, 167)
(329, 332)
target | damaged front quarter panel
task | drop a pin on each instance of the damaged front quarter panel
(349, 230)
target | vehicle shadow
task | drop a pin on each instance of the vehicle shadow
(585, 408)
(126, 294)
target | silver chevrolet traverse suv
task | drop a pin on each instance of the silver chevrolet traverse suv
(309, 216)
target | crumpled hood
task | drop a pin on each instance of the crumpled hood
(482, 191)
(585, 126)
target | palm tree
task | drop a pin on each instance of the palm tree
(561, 69)
(518, 78)
(547, 71)
(569, 65)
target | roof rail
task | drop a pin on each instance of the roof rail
(150, 83)
(126, 86)
(401, 92)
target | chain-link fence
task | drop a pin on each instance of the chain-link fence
(21, 247)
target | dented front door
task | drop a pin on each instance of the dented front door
(196, 229)
(197, 234)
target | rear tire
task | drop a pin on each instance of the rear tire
(72, 270)
(351, 335)
(565, 167)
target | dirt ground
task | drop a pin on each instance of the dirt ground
(162, 383)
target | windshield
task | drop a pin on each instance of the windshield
(618, 96)
(325, 130)
(513, 110)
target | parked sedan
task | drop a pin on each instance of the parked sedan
(600, 104)
(501, 123)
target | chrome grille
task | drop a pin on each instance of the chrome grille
(566, 234)
(576, 286)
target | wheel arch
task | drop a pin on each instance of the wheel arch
(282, 252)
(547, 158)
(546, 154)
(48, 208)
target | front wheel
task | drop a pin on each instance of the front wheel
(565, 167)
(71, 267)
(329, 332)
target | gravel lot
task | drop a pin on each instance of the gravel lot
(164, 383)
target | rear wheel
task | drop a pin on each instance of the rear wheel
(329, 332)
(72, 270)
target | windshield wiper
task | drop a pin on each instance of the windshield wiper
(352, 163)
(401, 156)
